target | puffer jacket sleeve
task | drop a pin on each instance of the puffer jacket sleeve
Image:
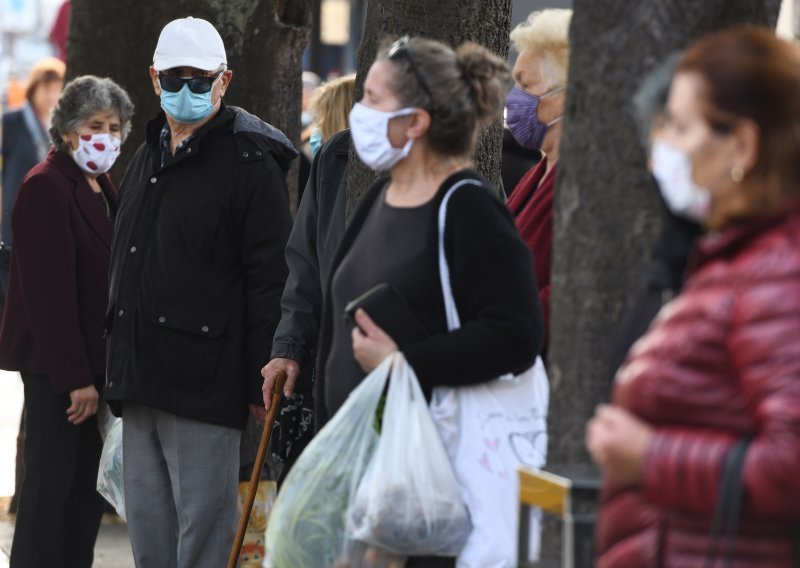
(684, 467)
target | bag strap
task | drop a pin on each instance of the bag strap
(729, 504)
(453, 319)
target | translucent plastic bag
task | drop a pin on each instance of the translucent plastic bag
(307, 524)
(409, 501)
(110, 483)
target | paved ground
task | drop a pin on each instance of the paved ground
(112, 550)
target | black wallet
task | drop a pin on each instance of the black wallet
(391, 312)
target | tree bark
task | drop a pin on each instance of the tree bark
(264, 41)
(452, 22)
(605, 209)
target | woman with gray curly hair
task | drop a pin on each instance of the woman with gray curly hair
(52, 328)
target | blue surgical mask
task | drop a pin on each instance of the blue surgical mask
(185, 106)
(315, 141)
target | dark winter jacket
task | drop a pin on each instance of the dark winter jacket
(662, 280)
(493, 285)
(53, 320)
(721, 362)
(316, 235)
(197, 270)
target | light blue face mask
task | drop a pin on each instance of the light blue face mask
(186, 106)
(315, 141)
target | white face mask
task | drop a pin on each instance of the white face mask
(673, 172)
(96, 153)
(370, 131)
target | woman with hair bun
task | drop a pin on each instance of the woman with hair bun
(423, 108)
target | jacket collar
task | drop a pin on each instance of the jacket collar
(153, 131)
(88, 203)
(730, 240)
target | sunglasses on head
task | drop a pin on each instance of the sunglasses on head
(401, 48)
(198, 85)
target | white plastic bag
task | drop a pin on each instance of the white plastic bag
(490, 430)
(307, 524)
(110, 483)
(409, 501)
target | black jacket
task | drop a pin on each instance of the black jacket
(197, 270)
(316, 235)
(493, 285)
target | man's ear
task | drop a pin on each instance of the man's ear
(418, 124)
(227, 77)
(154, 80)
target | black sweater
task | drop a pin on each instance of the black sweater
(493, 285)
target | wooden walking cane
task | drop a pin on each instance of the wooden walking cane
(247, 506)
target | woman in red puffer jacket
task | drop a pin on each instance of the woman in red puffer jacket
(721, 362)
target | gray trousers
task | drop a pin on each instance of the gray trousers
(181, 487)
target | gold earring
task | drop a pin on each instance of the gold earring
(737, 173)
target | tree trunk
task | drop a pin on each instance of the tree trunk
(452, 22)
(605, 210)
(264, 41)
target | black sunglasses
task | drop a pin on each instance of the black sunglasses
(400, 47)
(198, 85)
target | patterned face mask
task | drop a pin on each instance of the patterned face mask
(96, 153)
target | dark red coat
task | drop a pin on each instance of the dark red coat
(57, 297)
(720, 361)
(531, 204)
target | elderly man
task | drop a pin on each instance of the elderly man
(534, 109)
(197, 272)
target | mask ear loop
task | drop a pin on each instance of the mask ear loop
(396, 114)
(547, 94)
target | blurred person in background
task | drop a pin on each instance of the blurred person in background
(712, 392)
(331, 106)
(310, 83)
(52, 328)
(662, 277)
(534, 110)
(26, 142)
(60, 30)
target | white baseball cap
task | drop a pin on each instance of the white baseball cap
(189, 42)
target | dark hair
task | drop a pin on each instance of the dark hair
(83, 97)
(749, 73)
(650, 99)
(463, 90)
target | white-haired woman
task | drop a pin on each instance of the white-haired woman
(534, 109)
(52, 329)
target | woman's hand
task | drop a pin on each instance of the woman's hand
(84, 404)
(371, 346)
(618, 442)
